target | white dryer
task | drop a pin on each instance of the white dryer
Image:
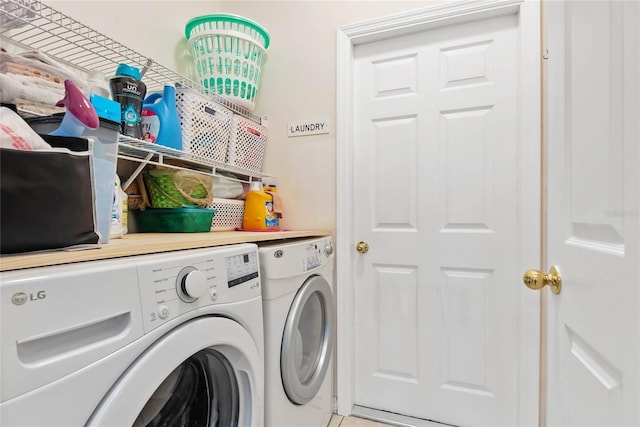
(165, 339)
(299, 322)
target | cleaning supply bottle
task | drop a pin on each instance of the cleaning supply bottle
(150, 125)
(117, 229)
(258, 210)
(124, 198)
(129, 91)
(80, 114)
(163, 105)
(98, 85)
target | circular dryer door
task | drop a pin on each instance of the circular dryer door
(190, 377)
(307, 341)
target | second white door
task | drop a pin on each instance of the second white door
(445, 152)
(593, 107)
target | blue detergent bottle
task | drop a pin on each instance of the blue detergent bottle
(163, 105)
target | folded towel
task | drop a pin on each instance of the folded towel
(35, 89)
(35, 60)
(24, 70)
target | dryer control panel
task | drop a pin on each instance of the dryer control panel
(176, 283)
(295, 259)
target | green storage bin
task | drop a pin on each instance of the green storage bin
(178, 220)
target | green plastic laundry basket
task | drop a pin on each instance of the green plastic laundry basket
(229, 52)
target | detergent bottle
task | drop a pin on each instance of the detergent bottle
(80, 114)
(129, 91)
(259, 210)
(163, 106)
(117, 227)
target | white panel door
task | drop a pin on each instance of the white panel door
(593, 217)
(438, 174)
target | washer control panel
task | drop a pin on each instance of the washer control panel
(176, 283)
(241, 268)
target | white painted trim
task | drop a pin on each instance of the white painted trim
(350, 36)
(448, 13)
(529, 130)
(344, 226)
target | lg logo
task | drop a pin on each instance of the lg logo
(20, 298)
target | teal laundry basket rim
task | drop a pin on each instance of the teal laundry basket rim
(226, 17)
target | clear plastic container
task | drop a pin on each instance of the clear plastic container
(104, 148)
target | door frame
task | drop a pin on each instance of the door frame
(448, 13)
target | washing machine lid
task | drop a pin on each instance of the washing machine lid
(205, 369)
(307, 341)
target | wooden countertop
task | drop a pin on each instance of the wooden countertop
(148, 243)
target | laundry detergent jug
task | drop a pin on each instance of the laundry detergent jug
(163, 106)
(259, 210)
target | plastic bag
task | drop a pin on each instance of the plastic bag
(170, 188)
(16, 134)
(227, 188)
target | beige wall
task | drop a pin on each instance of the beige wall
(299, 78)
(300, 84)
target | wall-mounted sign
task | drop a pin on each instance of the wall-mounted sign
(308, 127)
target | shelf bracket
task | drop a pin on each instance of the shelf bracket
(137, 171)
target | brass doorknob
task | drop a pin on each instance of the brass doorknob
(362, 247)
(536, 279)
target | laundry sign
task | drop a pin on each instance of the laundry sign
(308, 127)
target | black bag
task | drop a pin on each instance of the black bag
(46, 198)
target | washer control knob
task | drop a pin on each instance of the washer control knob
(213, 294)
(163, 311)
(191, 284)
(328, 249)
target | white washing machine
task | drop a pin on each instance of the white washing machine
(166, 339)
(299, 322)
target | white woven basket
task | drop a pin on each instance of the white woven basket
(228, 214)
(206, 125)
(246, 144)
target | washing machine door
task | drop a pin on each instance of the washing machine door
(202, 391)
(307, 341)
(206, 372)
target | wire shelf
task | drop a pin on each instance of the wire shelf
(147, 153)
(33, 25)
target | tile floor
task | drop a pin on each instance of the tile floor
(368, 416)
(340, 421)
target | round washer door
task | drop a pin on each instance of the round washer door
(205, 372)
(307, 341)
